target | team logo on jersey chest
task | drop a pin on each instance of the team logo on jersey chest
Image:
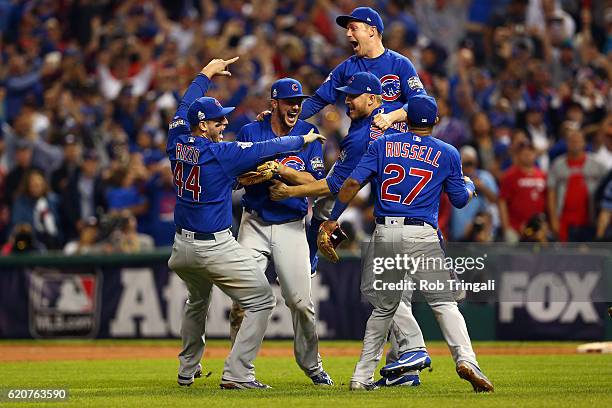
(391, 87)
(295, 162)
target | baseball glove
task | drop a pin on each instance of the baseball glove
(264, 172)
(329, 241)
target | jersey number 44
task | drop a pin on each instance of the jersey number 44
(190, 183)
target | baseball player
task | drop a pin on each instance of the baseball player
(275, 230)
(204, 251)
(399, 79)
(364, 101)
(408, 172)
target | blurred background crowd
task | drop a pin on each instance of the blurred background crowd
(87, 89)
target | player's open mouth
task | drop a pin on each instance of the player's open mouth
(354, 44)
(292, 116)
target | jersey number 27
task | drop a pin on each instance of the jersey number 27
(191, 183)
(400, 174)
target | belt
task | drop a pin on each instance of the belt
(200, 236)
(407, 221)
(255, 213)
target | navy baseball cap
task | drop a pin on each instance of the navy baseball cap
(364, 14)
(422, 110)
(287, 88)
(360, 83)
(206, 108)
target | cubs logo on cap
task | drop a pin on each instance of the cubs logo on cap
(360, 83)
(287, 88)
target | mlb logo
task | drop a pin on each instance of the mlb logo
(274, 93)
(416, 138)
(201, 115)
(63, 304)
(63, 293)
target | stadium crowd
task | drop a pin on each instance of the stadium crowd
(87, 89)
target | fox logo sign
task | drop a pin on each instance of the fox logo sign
(549, 297)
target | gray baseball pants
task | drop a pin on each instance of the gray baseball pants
(405, 334)
(286, 246)
(232, 268)
(396, 238)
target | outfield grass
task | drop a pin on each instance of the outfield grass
(525, 381)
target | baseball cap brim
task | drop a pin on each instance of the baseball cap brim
(223, 112)
(303, 96)
(348, 90)
(343, 21)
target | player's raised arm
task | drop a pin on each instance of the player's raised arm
(200, 84)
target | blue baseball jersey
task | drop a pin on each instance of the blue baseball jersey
(205, 172)
(352, 148)
(397, 75)
(256, 197)
(408, 173)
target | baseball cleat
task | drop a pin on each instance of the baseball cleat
(470, 372)
(357, 386)
(246, 385)
(322, 379)
(406, 379)
(410, 361)
(187, 381)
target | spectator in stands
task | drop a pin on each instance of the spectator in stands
(482, 140)
(522, 192)
(84, 196)
(21, 240)
(23, 164)
(602, 143)
(572, 181)
(87, 243)
(159, 219)
(462, 220)
(127, 239)
(604, 219)
(124, 191)
(37, 205)
(450, 129)
(61, 177)
(537, 229)
(112, 73)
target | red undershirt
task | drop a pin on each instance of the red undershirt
(576, 202)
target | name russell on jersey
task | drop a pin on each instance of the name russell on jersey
(414, 152)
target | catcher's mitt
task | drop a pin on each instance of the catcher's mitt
(264, 172)
(329, 241)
